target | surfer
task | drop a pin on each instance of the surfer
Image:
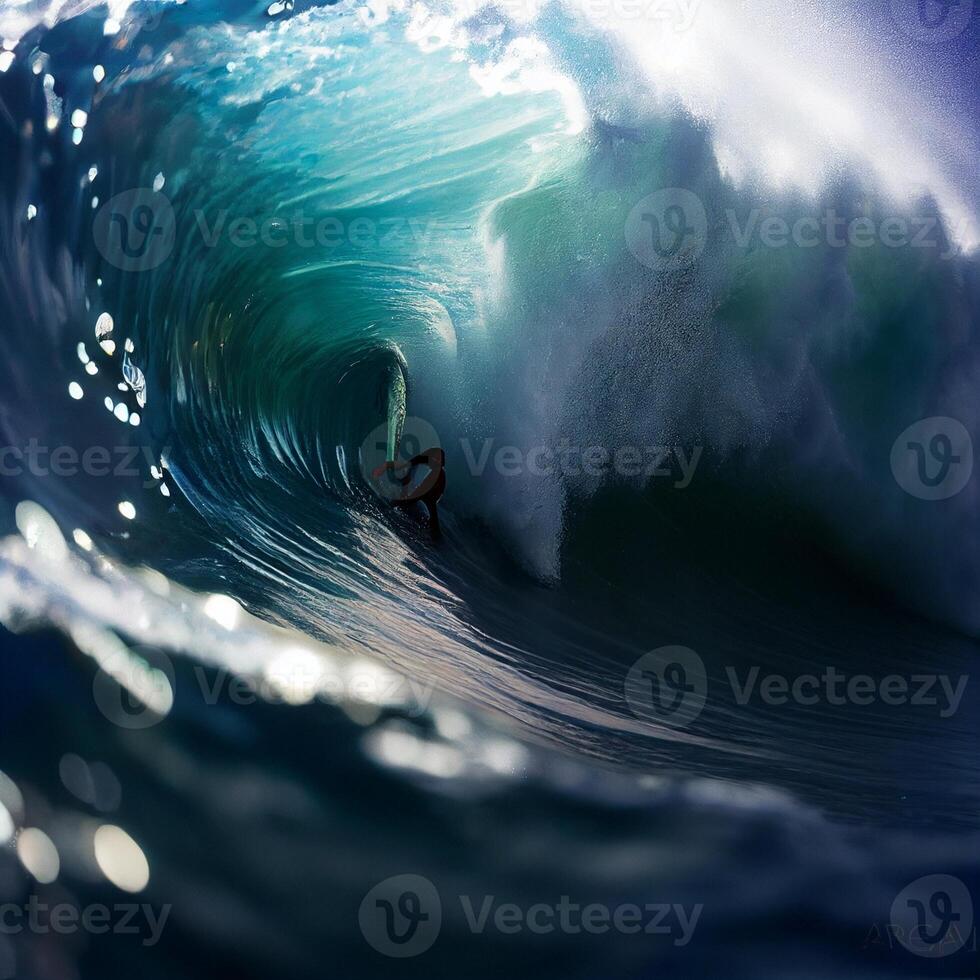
(428, 491)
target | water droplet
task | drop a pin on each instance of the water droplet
(6, 825)
(82, 539)
(103, 326)
(39, 530)
(223, 609)
(134, 378)
(38, 855)
(121, 859)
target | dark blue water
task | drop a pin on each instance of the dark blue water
(686, 686)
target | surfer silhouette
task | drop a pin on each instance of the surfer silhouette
(428, 491)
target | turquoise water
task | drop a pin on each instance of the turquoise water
(353, 233)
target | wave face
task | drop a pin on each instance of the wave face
(254, 254)
(300, 271)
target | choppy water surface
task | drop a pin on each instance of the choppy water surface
(688, 297)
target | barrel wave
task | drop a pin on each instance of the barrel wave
(690, 302)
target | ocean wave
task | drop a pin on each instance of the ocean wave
(299, 267)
